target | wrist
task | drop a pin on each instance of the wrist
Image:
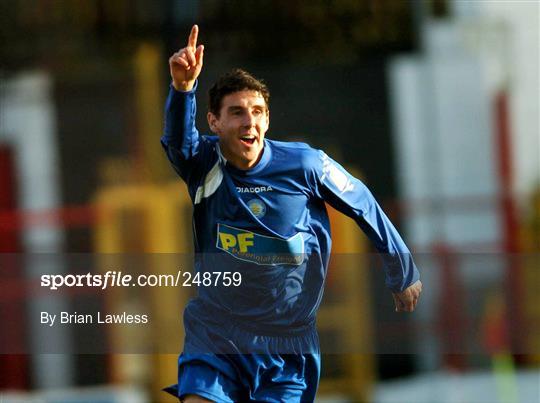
(183, 86)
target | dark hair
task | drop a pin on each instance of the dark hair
(234, 81)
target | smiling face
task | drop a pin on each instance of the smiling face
(241, 125)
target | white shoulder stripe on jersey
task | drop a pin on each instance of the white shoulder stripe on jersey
(220, 155)
(212, 181)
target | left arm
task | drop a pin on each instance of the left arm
(351, 197)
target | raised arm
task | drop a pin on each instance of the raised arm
(181, 138)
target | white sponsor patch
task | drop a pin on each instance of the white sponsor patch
(340, 180)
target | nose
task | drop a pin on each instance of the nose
(249, 120)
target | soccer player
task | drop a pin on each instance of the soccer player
(259, 213)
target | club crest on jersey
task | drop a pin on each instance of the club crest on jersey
(260, 249)
(257, 207)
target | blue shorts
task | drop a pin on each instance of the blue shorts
(256, 378)
(262, 368)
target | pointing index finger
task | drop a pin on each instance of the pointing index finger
(192, 41)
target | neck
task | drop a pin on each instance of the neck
(241, 163)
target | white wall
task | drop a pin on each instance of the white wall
(522, 19)
(28, 125)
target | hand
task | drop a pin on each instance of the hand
(186, 64)
(406, 300)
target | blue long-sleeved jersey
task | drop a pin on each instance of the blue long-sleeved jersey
(270, 224)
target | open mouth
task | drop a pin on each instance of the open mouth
(248, 140)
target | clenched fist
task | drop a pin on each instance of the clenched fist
(186, 64)
(407, 299)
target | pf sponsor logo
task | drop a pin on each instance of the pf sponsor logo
(240, 242)
(260, 249)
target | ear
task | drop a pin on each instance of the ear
(213, 122)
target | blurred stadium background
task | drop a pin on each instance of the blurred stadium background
(434, 103)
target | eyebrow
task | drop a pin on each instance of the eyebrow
(239, 108)
(234, 108)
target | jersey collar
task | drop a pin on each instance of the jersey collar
(263, 162)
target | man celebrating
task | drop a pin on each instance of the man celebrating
(259, 213)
